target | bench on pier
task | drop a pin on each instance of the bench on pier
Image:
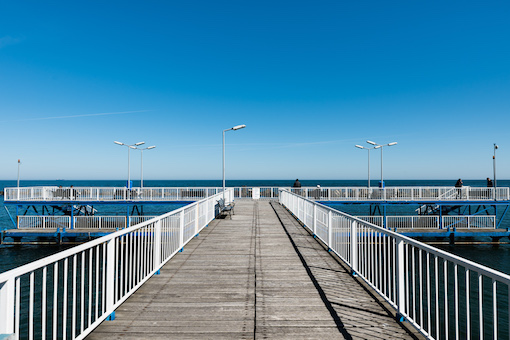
(227, 209)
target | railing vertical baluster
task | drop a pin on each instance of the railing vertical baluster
(468, 305)
(73, 319)
(494, 310)
(110, 278)
(354, 247)
(181, 229)
(400, 288)
(314, 219)
(31, 308)
(330, 229)
(429, 298)
(157, 244)
(7, 307)
(55, 294)
(480, 304)
(64, 312)
(420, 278)
(436, 284)
(43, 303)
(82, 291)
(456, 286)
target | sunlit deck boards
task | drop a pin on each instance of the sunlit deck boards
(243, 279)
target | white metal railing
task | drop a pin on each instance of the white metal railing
(402, 193)
(80, 222)
(322, 193)
(66, 295)
(412, 222)
(53, 193)
(377, 220)
(43, 222)
(469, 222)
(441, 294)
(432, 222)
(99, 222)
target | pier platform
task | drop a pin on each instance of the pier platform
(257, 275)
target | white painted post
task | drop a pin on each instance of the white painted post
(354, 247)
(7, 307)
(181, 229)
(330, 229)
(157, 243)
(314, 219)
(197, 217)
(401, 298)
(110, 278)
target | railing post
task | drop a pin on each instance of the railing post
(7, 307)
(110, 278)
(354, 248)
(314, 219)
(181, 229)
(157, 244)
(197, 217)
(401, 298)
(330, 230)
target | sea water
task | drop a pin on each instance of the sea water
(496, 256)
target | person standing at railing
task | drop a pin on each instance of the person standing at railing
(458, 186)
(297, 184)
(490, 184)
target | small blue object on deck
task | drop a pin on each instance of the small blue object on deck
(180, 251)
(197, 234)
(400, 318)
(111, 317)
(158, 272)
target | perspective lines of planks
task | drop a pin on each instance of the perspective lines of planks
(245, 279)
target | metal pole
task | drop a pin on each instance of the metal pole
(141, 177)
(223, 165)
(382, 180)
(129, 173)
(19, 162)
(494, 167)
(368, 168)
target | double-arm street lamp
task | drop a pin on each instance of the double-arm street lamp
(141, 161)
(132, 146)
(377, 146)
(238, 127)
(362, 147)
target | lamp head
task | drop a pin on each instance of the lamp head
(359, 146)
(238, 127)
(119, 143)
(370, 142)
(139, 143)
(495, 147)
(393, 143)
(151, 147)
(378, 146)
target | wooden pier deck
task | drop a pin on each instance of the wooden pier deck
(257, 275)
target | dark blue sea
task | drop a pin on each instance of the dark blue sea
(494, 256)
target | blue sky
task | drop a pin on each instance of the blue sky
(309, 79)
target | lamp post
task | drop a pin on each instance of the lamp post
(19, 164)
(362, 147)
(494, 168)
(238, 127)
(133, 146)
(141, 161)
(377, 146)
